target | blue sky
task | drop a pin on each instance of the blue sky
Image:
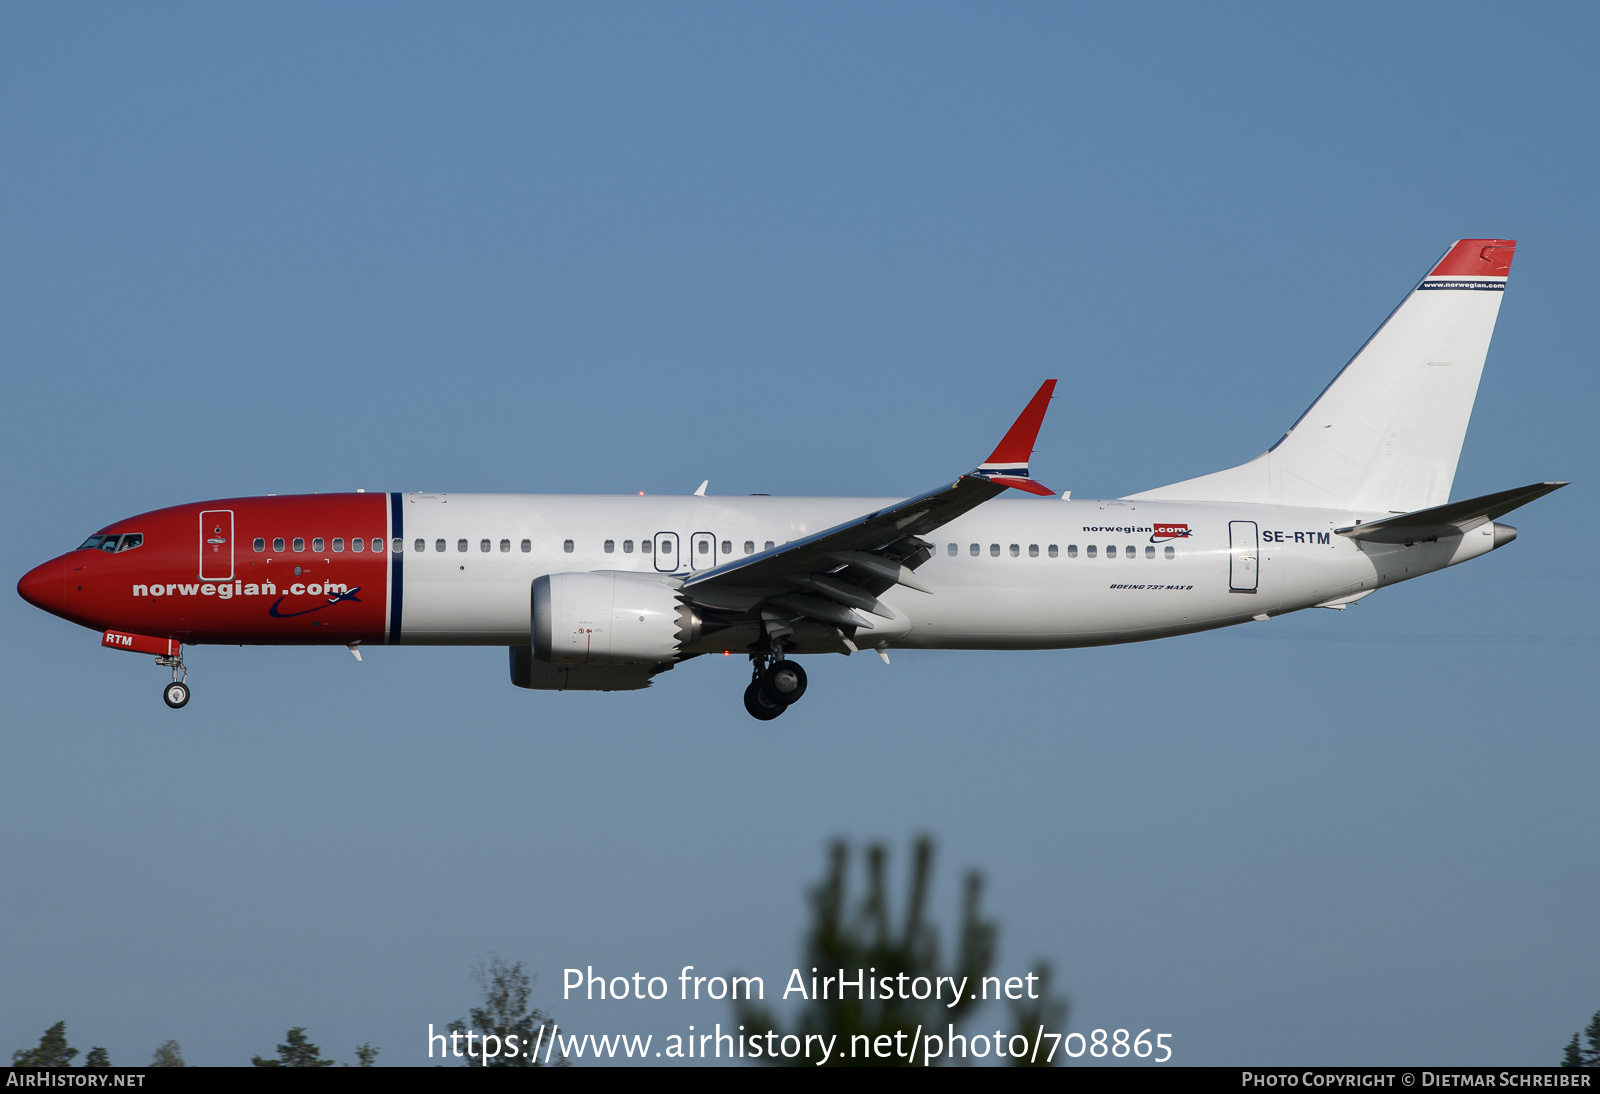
(812, 249)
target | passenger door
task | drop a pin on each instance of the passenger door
(216, 545)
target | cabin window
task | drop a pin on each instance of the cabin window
(644, 546)
(1033, 550)
(358, 545)
(1015, 551)
(461, 546)
(1169, 552)
(705, 547)
(611, 546)
(338, 545)
(438, 545)
(994, 550)
(277, 545)
(951, 550)
(1054, 550)
(769, 546)
(749, 546)
(259, 545)
(1131, 551)
(727, 546)
(1111, 550)
(527, 545)
(299, 544)
(1088, 551)
(317, 545)
(627, 546)
(505, 546)
(1072, 550)
(377, 545)
(566, 545)
(1149, 552)
(420, 545)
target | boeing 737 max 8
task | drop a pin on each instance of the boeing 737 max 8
(603, 593)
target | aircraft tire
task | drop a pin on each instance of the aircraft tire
(759, 706)
(175, 694)
(784, 683)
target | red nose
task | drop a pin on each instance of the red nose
(46, 586)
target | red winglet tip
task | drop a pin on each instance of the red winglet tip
(1477, 258)
(1017, 445)
(1030, 485)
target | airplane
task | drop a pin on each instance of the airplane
(604, 593)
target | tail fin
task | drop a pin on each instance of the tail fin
(1386, 434)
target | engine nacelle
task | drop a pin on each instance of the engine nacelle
(609, 619)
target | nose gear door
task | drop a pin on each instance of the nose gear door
(216, 545)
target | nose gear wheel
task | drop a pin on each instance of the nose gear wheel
(175, 694)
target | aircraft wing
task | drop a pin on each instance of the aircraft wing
(837, 574)
(1451, 519)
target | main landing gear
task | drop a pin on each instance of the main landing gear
(175, 694)
(775, 683)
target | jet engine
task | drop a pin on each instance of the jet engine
(610, 619)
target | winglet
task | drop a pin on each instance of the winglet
(1008, 464)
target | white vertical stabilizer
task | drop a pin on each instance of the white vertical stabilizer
(1386, 434)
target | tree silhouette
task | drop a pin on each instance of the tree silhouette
(866, 937)
(168, 1054)
(298, 1052)
(51, 1051)
(505, 1013)
(1576, 1056)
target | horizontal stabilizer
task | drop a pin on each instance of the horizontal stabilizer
(1448, 520)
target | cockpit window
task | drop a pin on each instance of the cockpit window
(113, 544)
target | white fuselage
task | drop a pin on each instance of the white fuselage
(1011, 574)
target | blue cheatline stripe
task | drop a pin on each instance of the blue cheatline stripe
(397, 586)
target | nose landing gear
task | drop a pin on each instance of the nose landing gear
(175, 694)
(775, 683)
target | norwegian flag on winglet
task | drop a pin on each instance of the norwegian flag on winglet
(1007, 465)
